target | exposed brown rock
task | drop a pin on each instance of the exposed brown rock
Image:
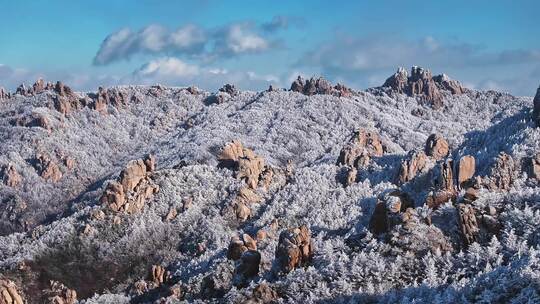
(242, 211)
(422, 85)
(445, 178)
(535, 167)
(47, 168)
(171, 215)
(130, 192)
(536, 110)
(238, 245)
(437, 147)
(503, 173)
(350, 176)
(159, 275)
(362, 145)
(294, 248)
(134, 172)
(437, 198)
(388, 209)
(150, 162)
(33, 120)
(465, 170)
(250, 169)
(319, 86)
(9, 293)
(11, 177)
(248, 196)
(230, 154)
(60, 294)
(114, 196)
(265, 179)
(247, 267)
(248, 165)
(411, 166)
(4, 95)
(467, 224)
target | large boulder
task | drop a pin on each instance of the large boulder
(245, 162)
(133, 188)
(239, 245)
(437, 147)
(363, 145)
(389, 210)
(294, 249)
(415, 163)
(465, 170)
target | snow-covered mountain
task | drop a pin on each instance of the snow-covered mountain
(420, 190)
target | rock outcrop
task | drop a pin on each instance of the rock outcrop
(536, 109)
(47, 168)
(245, 162)
(133, 187)
(294, 249)
(502, 173)
(319, 85)
(363, 145)
(159, 275)
(9, 293)
(534, 167)
(4, 95)
(415, 163)
(422, 85)
(467, 224)
(238, 245)
(60, 294)
(11, 177)
(465, 170)
(437, 147)
(389, 210)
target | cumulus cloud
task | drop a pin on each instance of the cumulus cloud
(153, 39)
(190, 41)
(237, 39)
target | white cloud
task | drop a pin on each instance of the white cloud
(153, 39)
(189, 41)
(168, 66)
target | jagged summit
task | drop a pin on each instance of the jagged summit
(421, 84)
(319, 85)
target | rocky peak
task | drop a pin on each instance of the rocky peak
(423, 85)
(319, 85)
(4, 94)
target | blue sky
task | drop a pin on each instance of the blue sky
(484, 44)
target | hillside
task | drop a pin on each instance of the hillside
(420, 190)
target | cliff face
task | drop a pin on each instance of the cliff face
(152, 193)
